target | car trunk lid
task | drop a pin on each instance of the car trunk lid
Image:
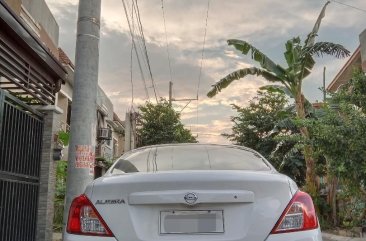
(219, 205)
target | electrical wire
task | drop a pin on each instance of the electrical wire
(134, 46)
(140, 43)
(131, 60)
(203, 48)
(347, 5)
(138, 38)
(202, 56)
(166, 41)
(144, 47)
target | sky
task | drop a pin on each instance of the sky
(266, 24)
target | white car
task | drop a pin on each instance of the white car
(192, 192)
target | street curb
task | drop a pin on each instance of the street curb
(332, 237)
(57, 237)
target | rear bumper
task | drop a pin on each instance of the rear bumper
(71, 237)
(310, 235)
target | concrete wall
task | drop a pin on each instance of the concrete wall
(119, 149)
(67, 88)
(105, 103)
(16, 5)
(47, 175)
(39, 18)
(42, 14)
(63, 103)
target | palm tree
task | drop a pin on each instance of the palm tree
(299, 58)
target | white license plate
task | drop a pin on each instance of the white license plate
(192, 222)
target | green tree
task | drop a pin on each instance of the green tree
(257, 126)
(353, 92)
(299, 59)
(253, 125)
(339, 133)
(160, 124)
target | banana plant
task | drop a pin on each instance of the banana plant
(299, 58)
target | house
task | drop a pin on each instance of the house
(118, 136)
(109, 128)
(30, 77)
(36, 81)
(356, 61)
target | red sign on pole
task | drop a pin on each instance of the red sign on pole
(85, 157)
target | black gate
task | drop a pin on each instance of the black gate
(21, 130)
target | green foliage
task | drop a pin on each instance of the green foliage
(300, 62)
(106, 162)
(353, 92)
(339, 132)
(353, 207)
(339, 135)
(258, 126)
(298, 57)
(61, 172)
(30, 100)
(161, 124)
(323, 209)
(241, 73)
(64, 137)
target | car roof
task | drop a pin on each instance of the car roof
(244, 148)
(196, 144)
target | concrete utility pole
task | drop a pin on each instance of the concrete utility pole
(128, 132)
(133, 130)
(324, 89)
(171, 99)
(170, 92)
(80, 170)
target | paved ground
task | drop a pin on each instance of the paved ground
(332, 237)
(57, 237)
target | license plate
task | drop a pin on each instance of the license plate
(192, 222)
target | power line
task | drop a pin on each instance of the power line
(202, 55)
(203, 47)
(166, 40)
(144, 46)
(134, 45)
(131, 60)
(140, 44)
(347, 5)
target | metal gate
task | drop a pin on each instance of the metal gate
(21, 130)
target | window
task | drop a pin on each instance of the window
(189, 157)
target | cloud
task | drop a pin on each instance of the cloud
(265, 24)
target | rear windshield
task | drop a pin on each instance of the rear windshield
(189, 157)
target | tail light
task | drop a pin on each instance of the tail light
(299, 215)
(84, 219)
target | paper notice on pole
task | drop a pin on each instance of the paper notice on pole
(85, 158)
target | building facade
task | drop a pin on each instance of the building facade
(109, 128)
(356, 61)
(36, 82)
(30, 77)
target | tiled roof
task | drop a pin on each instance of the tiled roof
(318, 105)
(64, 59)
